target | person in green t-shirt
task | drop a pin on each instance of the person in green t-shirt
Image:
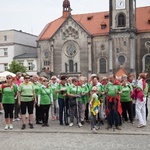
(54, 106)
(45, 99)
(126, 100)
(113, 105)
(37, 86)
(75, 92)
(9, 91)
(61, 89)
(26, 99)
(85, 96)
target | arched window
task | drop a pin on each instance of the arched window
(102, 65)
(121, 20)
(70, 65)
(147, 61)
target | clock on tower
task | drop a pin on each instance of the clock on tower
(120, 4)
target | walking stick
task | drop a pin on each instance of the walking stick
(90, 116)
(77, 105)
(65, 112)
(114, 113)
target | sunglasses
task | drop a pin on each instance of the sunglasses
(27, 78)
(45, 81)
(8, 78)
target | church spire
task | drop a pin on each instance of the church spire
(66, 8)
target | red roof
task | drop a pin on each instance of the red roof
(142, 17)
(92, 23)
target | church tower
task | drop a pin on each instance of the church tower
(66, 8)
(122, 29)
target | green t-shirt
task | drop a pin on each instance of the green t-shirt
(146, 90)
(112, 89)
(37, 86)
(85, 90)
(125, 95)
(46, 96)
(53, 87)
(61, 87)
(9, 94)
(26, 91)
(75, 90)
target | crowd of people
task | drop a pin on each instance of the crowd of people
(68, 99)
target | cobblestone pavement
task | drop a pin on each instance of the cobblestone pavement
(67, 141)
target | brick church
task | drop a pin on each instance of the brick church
(100, 43)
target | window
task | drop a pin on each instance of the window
(147, 60)
(76, 67)
(89, 17)
(102, 65)
(71, 50)
(70, 65)
(66, 67)
(121, 59)
(5, 67)
(5, 52)
(5, 37)
(106, 16)
(46, 63)
(121, 20)
(46, 54)
(103, 26)
(117, 50)
(30, 65)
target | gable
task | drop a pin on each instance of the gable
(71, 28)
(120, 72)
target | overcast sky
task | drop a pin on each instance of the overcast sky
(32, 15)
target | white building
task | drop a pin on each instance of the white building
(20, 46)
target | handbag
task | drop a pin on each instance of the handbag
(73, 100)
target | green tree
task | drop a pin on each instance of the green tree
(15, 67)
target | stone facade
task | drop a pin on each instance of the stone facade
(73, 50)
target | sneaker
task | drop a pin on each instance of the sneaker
(71, 124)
(94, 131)
(97, 127)
(23, 126)
(140, 126)
(17, 119)
(79, 124)
(38, 122)
(10, 126)
(6, 127)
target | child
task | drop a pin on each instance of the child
(94, 107)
